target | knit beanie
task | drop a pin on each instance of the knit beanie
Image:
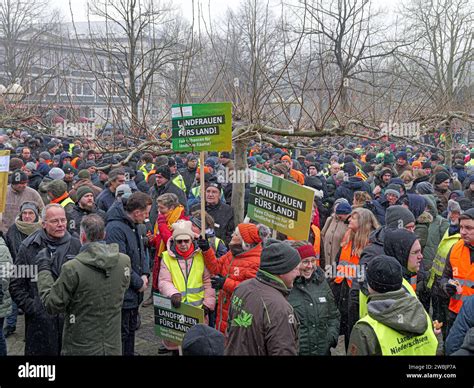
(424, 188)
(441, 177)
(164, 171)
(384, 274)
(454, 206)
(30, 166)
(18, 177)
(84, 174)
(397, 213)
(183, 228)
(343, 208)
(398, 243)
(278, 257)
(281, 168)
(249, 233)
(56, 173)
(30, 206)
(203, 340)
(306, 251)
(57, 188)
(81, 191)
(350, 168)
(45, 155)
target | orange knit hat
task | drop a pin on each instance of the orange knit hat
(416, 164)
(249, 233)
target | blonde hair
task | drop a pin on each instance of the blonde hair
(407, 176)
(360, 197)
(360, 238)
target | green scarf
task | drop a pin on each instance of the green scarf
(27, 228)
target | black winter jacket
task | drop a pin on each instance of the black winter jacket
(120, 229)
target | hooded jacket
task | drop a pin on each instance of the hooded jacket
(43, 331)
(236, 270)
(122, 230)
(313, 302)
(387, 308)
(90, 288)
(398, 243)
(347, 189)
(261, 321)
(34, 180)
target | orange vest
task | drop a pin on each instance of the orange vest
(317, 244)
(413, 282)
(463, 272)
(347, 265)
(74, 162)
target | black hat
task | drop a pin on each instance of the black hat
(203, 340)
(426, 165)
(441, 177)
(350, 168)
(397, 213)
(384, 274)
(278, 257)
(212, 182)
(18, 177)
(164, 171)
(225, 154)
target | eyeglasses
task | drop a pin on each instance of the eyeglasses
(182, 241)
(58, 221)
(307, 262)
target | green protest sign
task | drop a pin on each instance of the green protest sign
(202, 127)
(280, 204)
(171, 324)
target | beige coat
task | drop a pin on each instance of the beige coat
(331, 235)
(14, 202)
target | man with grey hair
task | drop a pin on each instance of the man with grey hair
(50, 247)
(107, 197)
(90, 291)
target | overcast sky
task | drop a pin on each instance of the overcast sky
(217, 7)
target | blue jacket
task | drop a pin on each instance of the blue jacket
(120, 229)
(105, 199)
(464, 321)
(347, 189)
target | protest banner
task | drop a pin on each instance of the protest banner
(281, 205)
(4, 168)
(202, 127)
(171, 324)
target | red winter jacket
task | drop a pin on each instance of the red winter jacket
(236, 269)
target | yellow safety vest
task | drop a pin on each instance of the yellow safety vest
(145, 171)
(364, 298)
(394, 343)
(439, 262)
(66, 202)
(179, 182)
(191, 284)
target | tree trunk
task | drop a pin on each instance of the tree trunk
(238, 189)
(449, 143)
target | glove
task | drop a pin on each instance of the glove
(44, 260)
(203, 244)
(176, 300)
(217, 282)
(450, 289)
(206, 309)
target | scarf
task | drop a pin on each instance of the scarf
(27, 228)
(171, 218)
(187, 253)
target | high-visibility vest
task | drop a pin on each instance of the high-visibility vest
(413, 282)
(317, 243)
(191, 285)
(393, 343)
(347, 265)
(66, 202)
(178, 181)
(439, 262)
(463, 272)
(75, 161)
(363, 299)
(145, 171)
